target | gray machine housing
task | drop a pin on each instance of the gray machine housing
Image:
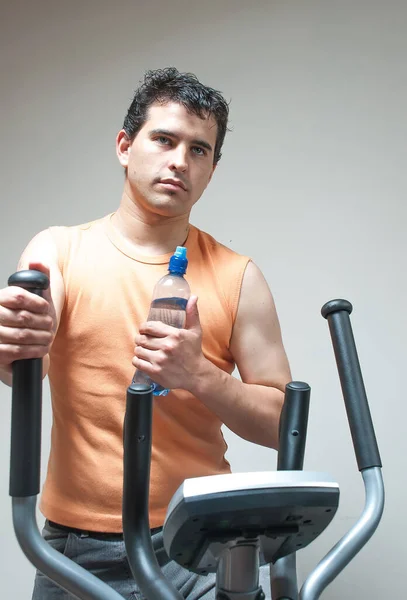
(279, 511)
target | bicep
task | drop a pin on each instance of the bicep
(256, 343)
(42, 250)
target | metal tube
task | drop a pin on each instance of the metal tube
(293, 435)
(354, 394)
(283, 577)
(67, 574)
(351, 543)
(136, 483)
(293, 426)
(238, 569)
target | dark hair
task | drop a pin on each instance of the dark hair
(169, 85)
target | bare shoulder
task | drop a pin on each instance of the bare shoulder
(41, 249)
(256, 343)
(253, 278)
(256, 300)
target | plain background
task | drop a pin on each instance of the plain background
(312, 185)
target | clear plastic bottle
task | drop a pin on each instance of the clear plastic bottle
(170, 297)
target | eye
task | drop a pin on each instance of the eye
(162, 139)
(198, 151)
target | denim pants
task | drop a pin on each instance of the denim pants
(106, 558)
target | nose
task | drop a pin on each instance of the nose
(179, 159)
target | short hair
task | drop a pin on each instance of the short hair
(169, 85)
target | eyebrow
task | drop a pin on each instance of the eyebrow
(168, 133)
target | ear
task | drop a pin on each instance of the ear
(213, 171)
(123, 147)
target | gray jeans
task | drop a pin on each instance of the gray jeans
(106, 558)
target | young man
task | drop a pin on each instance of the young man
(91, 331)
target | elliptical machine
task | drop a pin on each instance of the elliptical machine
(228, 524)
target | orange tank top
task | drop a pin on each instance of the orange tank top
(108, 292)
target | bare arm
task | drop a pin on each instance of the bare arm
(251, 407)
(28, 323)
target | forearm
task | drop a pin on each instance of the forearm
(251, 411)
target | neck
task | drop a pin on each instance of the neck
(150, 234)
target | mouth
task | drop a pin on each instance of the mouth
(173, 184)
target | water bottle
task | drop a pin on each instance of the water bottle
(169, 302)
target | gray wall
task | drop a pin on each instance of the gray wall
(312, 185)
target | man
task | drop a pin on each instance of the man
(90, 330)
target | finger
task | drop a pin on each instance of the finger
(38, 265)
(25, 319)
(25, 337)
(44, 268)
(17, 298)
(149, 342)
(156, 329)
(12, 352)
(192, 314)
(144, 354)
(143, 365)
(155, 358)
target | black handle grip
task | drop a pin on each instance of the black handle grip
(360, 421)
(32, 280)
(25, 451)
(293, 426)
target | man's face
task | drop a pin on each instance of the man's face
(170, 161)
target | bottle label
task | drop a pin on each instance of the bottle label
(168, 310)
(170, 303)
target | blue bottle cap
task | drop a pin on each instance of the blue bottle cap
(178, 261)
